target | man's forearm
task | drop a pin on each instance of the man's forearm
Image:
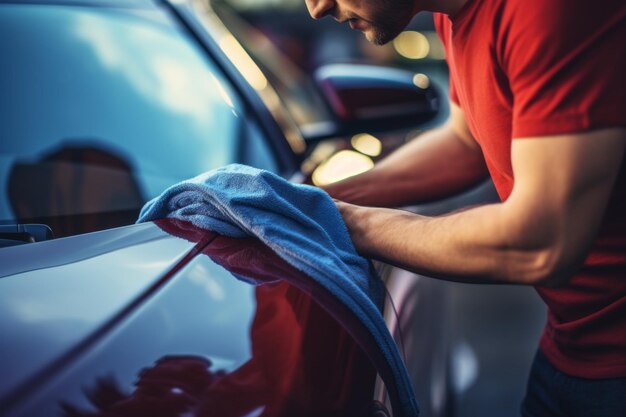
(535, 237)
(474, 246)
(433, 166)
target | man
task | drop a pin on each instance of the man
(538, 101)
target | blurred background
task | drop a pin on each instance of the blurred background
(495, 328)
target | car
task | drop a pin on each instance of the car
(107, 103)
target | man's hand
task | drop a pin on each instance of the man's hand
(539, 236)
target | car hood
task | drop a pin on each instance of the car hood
(56, 295)
(123, 307)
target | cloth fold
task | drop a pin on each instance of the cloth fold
(303, 226)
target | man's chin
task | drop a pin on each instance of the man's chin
(380, 37)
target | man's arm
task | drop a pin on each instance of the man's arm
(539, 236)
(439, 163)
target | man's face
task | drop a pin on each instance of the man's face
(379, 20)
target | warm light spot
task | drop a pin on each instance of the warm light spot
(412, 45)
(342, 165)
(367, 144)
(233, 49)
(421, 80)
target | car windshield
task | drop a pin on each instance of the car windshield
(102, 109)
(294, 87)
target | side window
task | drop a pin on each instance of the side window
(256, 151)
(112, 108)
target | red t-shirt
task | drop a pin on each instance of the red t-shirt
(524, 68)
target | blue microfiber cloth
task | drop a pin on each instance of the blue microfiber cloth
(303, 226)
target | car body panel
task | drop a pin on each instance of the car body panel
(54, 295)
(251, 322)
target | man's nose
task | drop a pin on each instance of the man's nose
(319, 8)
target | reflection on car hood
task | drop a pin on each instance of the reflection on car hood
(282, 345)
(54, 295)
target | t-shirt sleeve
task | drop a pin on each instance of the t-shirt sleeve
(442, 26)
(565, 64)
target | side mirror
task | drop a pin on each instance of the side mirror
(366, 98)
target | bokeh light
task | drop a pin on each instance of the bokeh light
(421, 80)
(367, 144)
(412, 45)
(342, 165)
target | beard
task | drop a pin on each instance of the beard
(380, 35)
(390, 20)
